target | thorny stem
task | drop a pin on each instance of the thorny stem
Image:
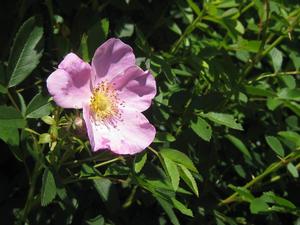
(272, 168)
(261, 54)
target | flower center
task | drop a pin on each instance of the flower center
(104, 102)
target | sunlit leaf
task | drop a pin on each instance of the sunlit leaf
(224, 119)
(275, 145)
(202, 129)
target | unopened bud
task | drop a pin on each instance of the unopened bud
(79, 126)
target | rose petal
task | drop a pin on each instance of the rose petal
(70, 83)
(136, 88)
(130, 135)
(112, 58)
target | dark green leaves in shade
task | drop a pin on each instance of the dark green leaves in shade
(38, 107)
(224, 119)
(26, 51)
(10, 117)
(169, 210)
(94, 37)
(291, 136)
(48, 191)
(202, 129)
(107, 193)
(275, 145)
(98, 220)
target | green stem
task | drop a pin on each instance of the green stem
(79, 162)
(187, 31)
(13, 101)
(258, 56)
(266, 75)
(153, 150)
(30, 195)
(108, 162)
(263, 53)
(78, 179)
(272, 168)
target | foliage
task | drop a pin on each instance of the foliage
(227, 147)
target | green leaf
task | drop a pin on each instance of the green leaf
(275, 145)
(195, 7)
(139, 161)
(48, 191)
(125, 30)
(277, 59)
(293, 106)
(258, 205)
(84, 49)
(161, 137)
(10, 117)
(293, 170)
(239, 144)
(224, 119)
(289, 81)
(178, 157)
(256, 91)
(188, 178)
(202, 129)
(96, 35)
(279, 200)
(172, 171)
(291, 136)
(38, 107)
(26, 52)
(182, 208)
(10, 135)
(168, 209)
(290, 94)
(273, 103)
(247, 45)
(98, 220)
(243, 193)
(22, 104)
(230, 13)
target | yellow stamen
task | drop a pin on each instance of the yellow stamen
(104, 102)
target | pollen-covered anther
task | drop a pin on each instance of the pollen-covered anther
(104, 103)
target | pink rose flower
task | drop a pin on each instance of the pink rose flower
(112, 92)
